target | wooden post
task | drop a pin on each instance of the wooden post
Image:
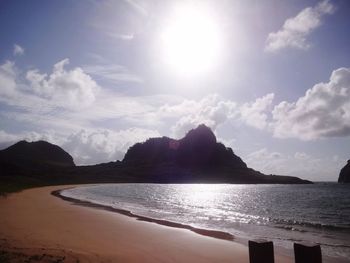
(261, 251)
(307, 253)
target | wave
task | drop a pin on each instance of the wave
(293, 225)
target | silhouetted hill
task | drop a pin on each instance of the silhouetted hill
(34, 156)
(344, 176)
(197, 157)
(27, 164)
(36, 153)
(198, 149)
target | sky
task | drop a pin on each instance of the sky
(271, 78)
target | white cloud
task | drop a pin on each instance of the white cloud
(181, 108)
(15, 93)
(73, 89)
(7, 79)
(295, 30)
(18, 50)
(112, 72)
(300, 164)
(214, 110)
(68, 99)
(211, 111)
(324, 111)
(87, 146)
(7, 137)
(256, 113)
(104, 145)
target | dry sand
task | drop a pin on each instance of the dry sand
(37, 226)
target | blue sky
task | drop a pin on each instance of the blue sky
(271, 78)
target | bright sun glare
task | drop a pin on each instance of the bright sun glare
(191, 40)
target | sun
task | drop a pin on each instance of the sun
(191, 40)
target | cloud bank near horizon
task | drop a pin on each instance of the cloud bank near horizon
(67, 103)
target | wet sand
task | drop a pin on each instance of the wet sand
(38, 225)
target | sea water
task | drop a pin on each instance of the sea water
(318, 213)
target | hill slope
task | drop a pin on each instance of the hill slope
(344, 176)
(33, 156)
(196, 158)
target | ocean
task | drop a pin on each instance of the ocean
(318, 213)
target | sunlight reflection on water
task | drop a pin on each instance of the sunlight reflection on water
(282, 213)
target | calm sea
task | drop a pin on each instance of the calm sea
(281, 213)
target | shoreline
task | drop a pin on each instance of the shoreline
(37, 224)
(212, 233)
(201, 231)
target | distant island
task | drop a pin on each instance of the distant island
(196, 158)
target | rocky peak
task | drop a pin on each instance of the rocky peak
(198, 149)
(200, 135)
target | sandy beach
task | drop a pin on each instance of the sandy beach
(37, 226)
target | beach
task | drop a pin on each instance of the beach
(35, 224)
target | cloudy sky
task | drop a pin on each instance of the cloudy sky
(271, 78)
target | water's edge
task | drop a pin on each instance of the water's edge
(201, 231)
(222, 235)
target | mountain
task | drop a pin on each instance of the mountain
(36, 154)
(344, 176)
(29, 163)
(198, 149)
(197, 157)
